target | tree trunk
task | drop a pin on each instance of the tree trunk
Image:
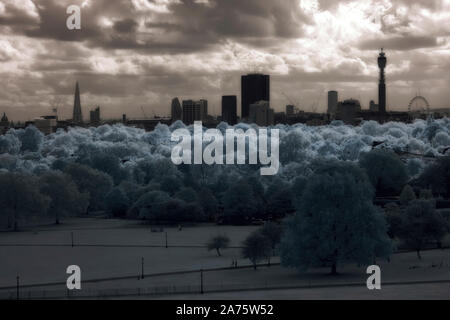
(218, 252)
(268, 262)
(254, 265)
(16, 226)
(334, 269)
(419, 255)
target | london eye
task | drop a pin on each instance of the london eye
(418, 107)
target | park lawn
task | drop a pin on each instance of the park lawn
(47, 264)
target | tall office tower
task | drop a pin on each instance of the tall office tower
(261, 114)
(77, 115)
(332, 102)
(191, 112)
(203, 109)
(194, 111)
(254, 88)
(229, 109)
(94, 116)
(177, 111)
(382, 61)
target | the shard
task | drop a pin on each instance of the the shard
(77, 114)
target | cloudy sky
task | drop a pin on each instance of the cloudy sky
(141, 53)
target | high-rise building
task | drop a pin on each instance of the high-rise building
(94, 116)
(203, 109)
(348, 110)
(373, 106)
(191, 112)
(77, 114)
(176, 110)
(254, 88)
(194, 111)
(229, 109)
(261, 114)
(332, 102)
(382, 61)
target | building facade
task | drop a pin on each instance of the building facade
(194, 111)
(254, 88)
(46, 124)
(261, 114)
(176, 110)
(229, 109)
(94, 116)
(348, 111)
(332, 102)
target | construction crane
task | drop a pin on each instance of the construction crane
(155, 116)
(143, 112)
(315, 105)
(56, 104)
(296, 105)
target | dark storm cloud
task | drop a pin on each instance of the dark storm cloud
(193, 27)
(236, 18)
(126, 26)
(51, 23)
(187, 27)
(16, 18)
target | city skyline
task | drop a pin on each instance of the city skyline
(144, 53)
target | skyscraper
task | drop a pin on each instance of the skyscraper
(194, 111)
(261, 114)
(77, 115)
(254, 88)
(229, 109)
(203, 109)
(332, 102)
(382, 61)
(176, 111)
(94, 116)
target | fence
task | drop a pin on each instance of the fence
(186, 289)
(151, 291)
(98, 294)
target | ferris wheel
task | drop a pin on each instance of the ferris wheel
(418, 106)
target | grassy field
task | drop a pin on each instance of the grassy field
(114, 248)
(434, 291)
